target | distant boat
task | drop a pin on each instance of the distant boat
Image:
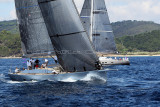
(96, 22)
(61, 24)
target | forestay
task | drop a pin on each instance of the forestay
(34, 35)
(70, 40)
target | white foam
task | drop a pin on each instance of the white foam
(69, 80)
(90, 76)
(2, 75)
(19, 82)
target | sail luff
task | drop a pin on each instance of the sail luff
(69, 38)
(33, 32)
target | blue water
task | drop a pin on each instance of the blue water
(137, 85)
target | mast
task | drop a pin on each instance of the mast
(92, 4)
(71, 43)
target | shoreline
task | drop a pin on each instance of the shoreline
(128, 55)
(110, 55)
(10, 57)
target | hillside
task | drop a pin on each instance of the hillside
(123, 28)
(131, 36)
(9, 44)
(143, 42)
(9, 26)
(130, 28)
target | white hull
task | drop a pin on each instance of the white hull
(109, 61)
(55, 77)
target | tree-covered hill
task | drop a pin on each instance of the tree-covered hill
(9, 26)
(143, 42)
(122, 28)
(131, 28)
(9, 44)
(142, 36)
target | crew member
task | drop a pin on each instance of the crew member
(17, 70)
(29, 66)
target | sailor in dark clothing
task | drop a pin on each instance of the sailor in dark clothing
(37, 63)
(98, 65)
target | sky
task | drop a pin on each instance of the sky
(118, 10)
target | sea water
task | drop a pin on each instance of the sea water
(137, 85)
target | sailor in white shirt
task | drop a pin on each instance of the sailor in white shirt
(16, 70)
(44, 65)
(46, 61)
(29, 66)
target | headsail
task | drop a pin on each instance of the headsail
(102, 33)
(70, 40)
(33, 31)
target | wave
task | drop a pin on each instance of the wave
(69, 80)
(19, 82)
(89, 77)
(92, 77)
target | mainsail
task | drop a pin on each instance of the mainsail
(71, 43)
(100, 27)
(33, 31)
(86, 17)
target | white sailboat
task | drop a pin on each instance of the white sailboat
(66, 34)
(96, 22)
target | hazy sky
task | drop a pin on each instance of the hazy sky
(118, 10)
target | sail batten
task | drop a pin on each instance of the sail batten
(33, 32)
(69, 34)
(71, 43)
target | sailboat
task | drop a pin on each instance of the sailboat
(63, 28)
(95, 19)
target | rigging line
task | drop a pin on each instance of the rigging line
(68, 34)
